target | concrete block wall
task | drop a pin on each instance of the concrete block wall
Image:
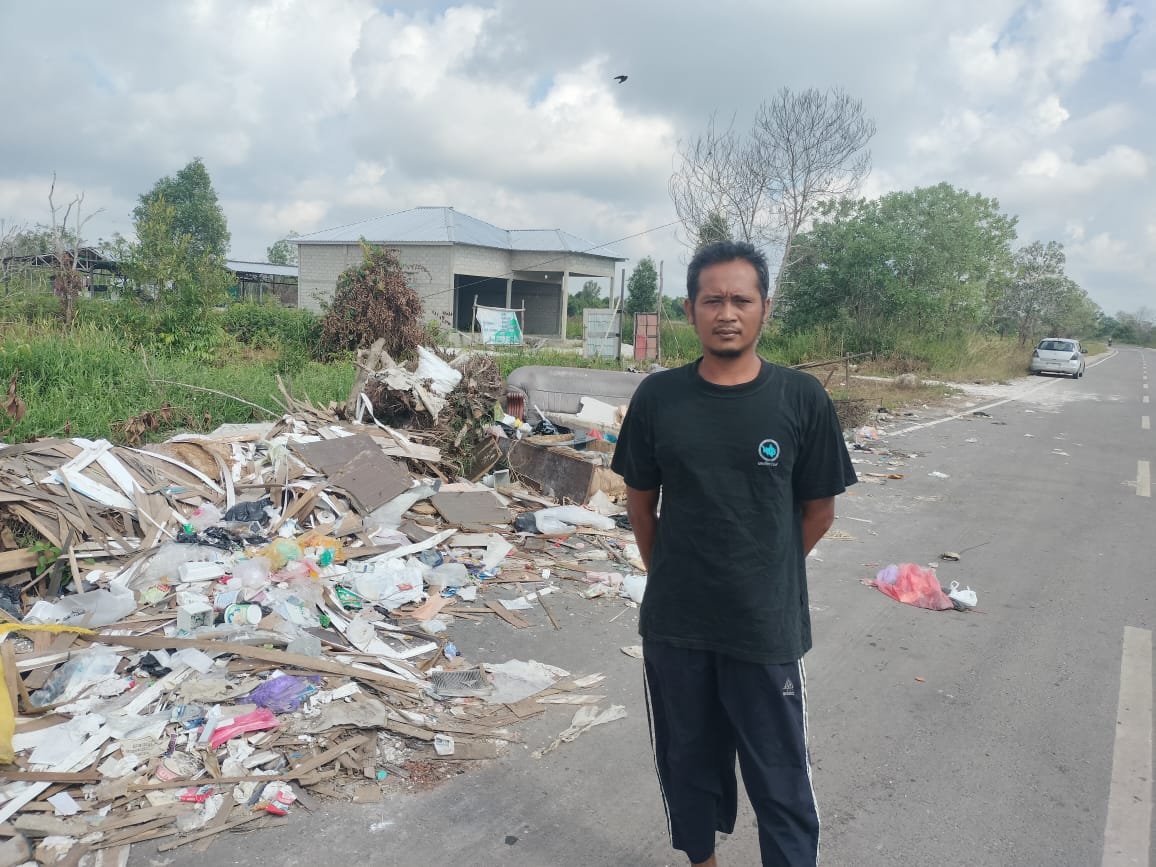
(319, 266)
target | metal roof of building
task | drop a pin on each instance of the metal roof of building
(239, 266)
(446, 226)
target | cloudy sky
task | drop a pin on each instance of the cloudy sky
(310, 115)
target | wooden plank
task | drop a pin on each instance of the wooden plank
(17, 561)
(509, 616)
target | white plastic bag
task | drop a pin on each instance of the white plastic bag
(964, 597)
(443, 378)
(573, 515)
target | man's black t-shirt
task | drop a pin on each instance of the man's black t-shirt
(734, 463)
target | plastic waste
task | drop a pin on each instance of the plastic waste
(252, 574)
(70, 679)
(912, 585)
(634, 586)
(525, 523)
(282, 694)
(250, 512)
(281, 551)
(393, 583)
(93, 608)
(443, 378)
(258, 720)
(571, 516)
(204, 516)
(165, 563)
(450, 575)
(965, 597)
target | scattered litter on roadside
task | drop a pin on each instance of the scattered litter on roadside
(239, 619)
(936, 474)
(966, 597)
(585, 719)
(911, 584)
(949, 555)
(633, 650)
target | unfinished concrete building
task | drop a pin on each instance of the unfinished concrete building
(459, 260)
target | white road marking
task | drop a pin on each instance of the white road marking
(1145, 423)
(1143, 480)
(1145, 400)
(1127, 831)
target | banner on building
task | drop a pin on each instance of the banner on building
(499, 325)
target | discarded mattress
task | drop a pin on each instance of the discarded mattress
(561, 389)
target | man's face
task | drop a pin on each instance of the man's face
(728, 312)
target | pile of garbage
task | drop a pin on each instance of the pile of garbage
(211, 632)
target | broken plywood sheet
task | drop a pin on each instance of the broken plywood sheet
(330, 457)
(470, 508)
(371, 479)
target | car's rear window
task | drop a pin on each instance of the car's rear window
(1058, 345)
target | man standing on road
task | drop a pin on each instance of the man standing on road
(748, 458)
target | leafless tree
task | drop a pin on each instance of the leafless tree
(720, 183)
(814, 146)
(67, 282)
(802, 149)
(9, 232)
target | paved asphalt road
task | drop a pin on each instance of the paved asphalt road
(979, 739)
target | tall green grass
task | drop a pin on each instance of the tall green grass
(89, 383)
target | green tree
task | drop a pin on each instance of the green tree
(674, 308)
(283, 251)
(1033, 299)
(196, 214)
(589, 296)
(642, 288)
(933, 258)
(166, 265)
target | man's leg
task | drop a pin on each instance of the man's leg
(767, 709)
(694, 747)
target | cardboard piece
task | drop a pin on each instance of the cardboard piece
(470, 508)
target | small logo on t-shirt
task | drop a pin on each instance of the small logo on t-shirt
(768, 453)
(788, 687)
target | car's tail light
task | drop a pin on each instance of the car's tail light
(1075, 356)
(1035, 353)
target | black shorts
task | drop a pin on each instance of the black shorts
(707, 708)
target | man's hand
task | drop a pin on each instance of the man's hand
(642, 508)
(818, 516)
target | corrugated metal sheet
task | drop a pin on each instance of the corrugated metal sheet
(447, 226)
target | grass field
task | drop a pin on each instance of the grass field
(107, 379)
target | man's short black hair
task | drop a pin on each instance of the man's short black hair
(727, 251)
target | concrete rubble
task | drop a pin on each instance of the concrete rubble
(209, 633)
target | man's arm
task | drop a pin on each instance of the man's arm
(642, 508)
(818, 516)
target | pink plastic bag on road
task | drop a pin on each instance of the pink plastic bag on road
(912, 585)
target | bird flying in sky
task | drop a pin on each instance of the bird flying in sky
(620, 78)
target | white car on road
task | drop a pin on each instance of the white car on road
(1058, 355)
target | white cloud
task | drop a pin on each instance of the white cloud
(1064, 176)
(312, 115)
(1050, 115)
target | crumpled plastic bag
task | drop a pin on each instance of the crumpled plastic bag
(282, 694)
(912, 585)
